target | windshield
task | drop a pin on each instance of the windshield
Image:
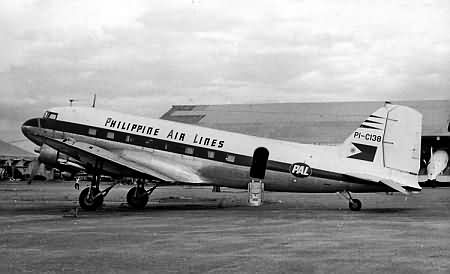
(50, 115)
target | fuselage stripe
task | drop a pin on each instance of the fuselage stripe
(180, 148)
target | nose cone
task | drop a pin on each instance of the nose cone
(28, 126)
(32, 130)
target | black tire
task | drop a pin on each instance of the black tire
(90, 204)
(355, 205)
(137, 197)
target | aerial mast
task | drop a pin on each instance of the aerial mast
(71, 100)
(94, 99)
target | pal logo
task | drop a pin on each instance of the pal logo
(300, 170)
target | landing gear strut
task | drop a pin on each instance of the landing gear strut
(137, 197)
(353, 204)
(91, 197)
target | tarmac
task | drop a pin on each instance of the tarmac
(193, 230)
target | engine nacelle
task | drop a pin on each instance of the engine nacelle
(54, 158)
(48, 155)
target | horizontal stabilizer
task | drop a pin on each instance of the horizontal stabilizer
(396, 185)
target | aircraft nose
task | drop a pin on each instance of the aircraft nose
(28, 124)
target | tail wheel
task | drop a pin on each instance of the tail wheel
(355, 205)
(137, 197)
(88, 200)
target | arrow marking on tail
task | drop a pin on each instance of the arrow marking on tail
(364, 152)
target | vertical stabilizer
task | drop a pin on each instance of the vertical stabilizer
(386, 147)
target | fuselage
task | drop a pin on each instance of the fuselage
(210, 156)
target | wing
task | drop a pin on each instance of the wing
(125, 163)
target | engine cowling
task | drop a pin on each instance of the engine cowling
(48, 155)
(54, 158)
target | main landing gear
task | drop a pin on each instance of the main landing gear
(137, 197)
(91, 197)
(353, 204)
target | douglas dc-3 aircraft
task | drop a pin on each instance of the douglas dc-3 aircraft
(382, 155)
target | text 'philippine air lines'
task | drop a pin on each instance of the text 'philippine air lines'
(171, 134)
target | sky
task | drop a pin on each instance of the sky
(142, 57)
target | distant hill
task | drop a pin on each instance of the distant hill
(8, 150)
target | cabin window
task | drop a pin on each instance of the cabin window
(189, 150)
(110, 135)
(211, 154)
(128, 139)
(230, 158)
(92, 131)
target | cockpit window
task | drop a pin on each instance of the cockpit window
(50, 115)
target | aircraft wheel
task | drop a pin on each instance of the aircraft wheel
(355, 205)
(137, 197)
(87, 202)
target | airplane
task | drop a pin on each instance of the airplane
(434, 164)
(381, 155)
(437, 164)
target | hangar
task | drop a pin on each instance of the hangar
(14, 161)
(318, 123)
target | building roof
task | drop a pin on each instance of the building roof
(325, 122)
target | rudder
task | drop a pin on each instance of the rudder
(402, 140)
